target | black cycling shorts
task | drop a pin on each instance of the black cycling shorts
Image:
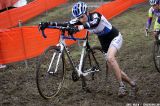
(105, 40)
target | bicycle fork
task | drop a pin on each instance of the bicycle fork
(58, 59)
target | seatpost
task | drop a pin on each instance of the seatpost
(87, 43)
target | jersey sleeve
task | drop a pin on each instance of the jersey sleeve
(150, 16)
(150, 12)
(75, 21)
(93, 22)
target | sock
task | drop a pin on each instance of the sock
(133, 83)
(121, 84)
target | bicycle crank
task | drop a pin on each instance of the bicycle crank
(75, 76)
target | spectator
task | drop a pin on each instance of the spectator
(2, 66)
(20, 3)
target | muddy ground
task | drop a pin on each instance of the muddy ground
(18, 86)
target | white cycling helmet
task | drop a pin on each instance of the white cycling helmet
(78, 9)
(153, 2)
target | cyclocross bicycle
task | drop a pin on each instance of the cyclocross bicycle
(51, 67)
(156, 51)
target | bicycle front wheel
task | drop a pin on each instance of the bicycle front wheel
(96, 65)
(156, 55)
(50, 73)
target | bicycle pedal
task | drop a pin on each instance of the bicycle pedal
(86, 89)
(75, 76)
(93, 76)
(94, 69)
(51, 73)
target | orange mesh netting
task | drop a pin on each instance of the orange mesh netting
(6, 3)
(11, 17)
(22, 43)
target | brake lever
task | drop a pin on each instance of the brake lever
(43, 33)
(73, 37)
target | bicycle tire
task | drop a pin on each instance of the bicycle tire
(49, 83)
(156, 55)
(95, 81)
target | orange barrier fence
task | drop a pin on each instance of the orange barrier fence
(23, 43)
(11, 17)
(114, 8)
(7, 3)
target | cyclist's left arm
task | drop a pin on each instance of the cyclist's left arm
(150, 16)
(75, 21)
(93, 21)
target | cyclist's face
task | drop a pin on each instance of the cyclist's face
(83, 18)
(156, 6)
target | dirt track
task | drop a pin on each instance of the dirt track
(18, 87)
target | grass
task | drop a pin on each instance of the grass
(131, 24)
(135, 58)
(60, 14)
(56, 14)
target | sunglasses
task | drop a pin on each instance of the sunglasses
(155, 5)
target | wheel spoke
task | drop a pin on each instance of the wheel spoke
(97, 72)
(49, 81)
(156, 55)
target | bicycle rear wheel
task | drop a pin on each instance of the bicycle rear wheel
(49, 81)
(156, 55)
(95, 61)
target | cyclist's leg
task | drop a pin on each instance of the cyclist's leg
(112, 51)
(111, 59)
(114, 47)
(127, 79)
(120, 75)
(156, 29)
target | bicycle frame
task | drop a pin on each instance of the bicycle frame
(63, 48)
(53, 61)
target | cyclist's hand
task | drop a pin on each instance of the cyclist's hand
(73, 30)
(43, 25)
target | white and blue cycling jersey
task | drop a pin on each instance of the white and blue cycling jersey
(98, 24)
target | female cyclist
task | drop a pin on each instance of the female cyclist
(110, 39)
